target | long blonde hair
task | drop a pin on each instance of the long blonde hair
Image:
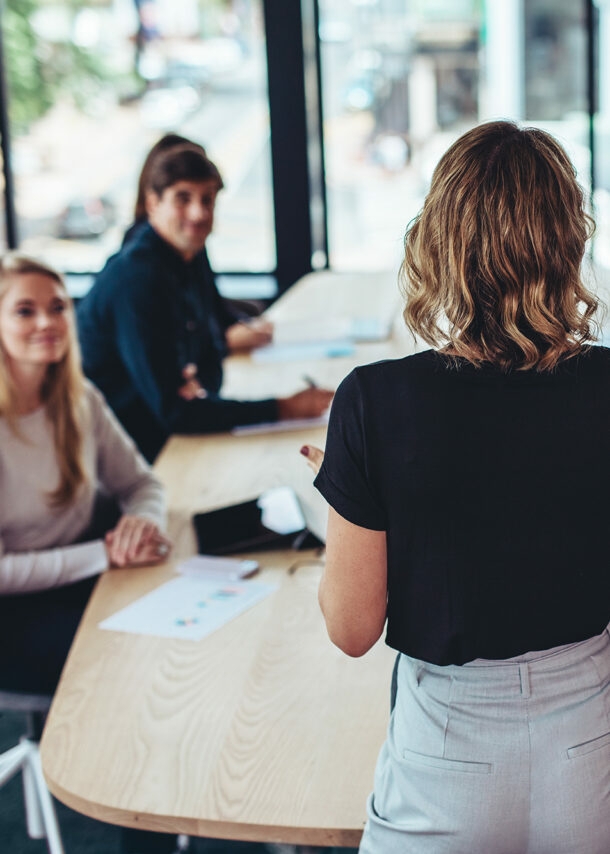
(62, 389)
(492, 263)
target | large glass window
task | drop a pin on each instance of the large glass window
(371, 183)
(401, 80)
(602, 136)
(3, 240)
(94, 83)
(555, 71)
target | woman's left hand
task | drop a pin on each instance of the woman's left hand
(136, 541)
(314, 457)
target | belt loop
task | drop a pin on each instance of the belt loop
(524, 676)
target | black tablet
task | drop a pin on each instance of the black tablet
(273, 520)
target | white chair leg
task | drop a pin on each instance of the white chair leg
(46, 806)
(12, 761)
(33, 813)
(25, 757)
(40, 816)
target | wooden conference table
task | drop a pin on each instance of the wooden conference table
(262, 730)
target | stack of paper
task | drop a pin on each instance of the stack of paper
(217, 568)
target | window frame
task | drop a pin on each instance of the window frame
(298, 178)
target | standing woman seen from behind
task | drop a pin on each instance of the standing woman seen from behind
(63, 457)
(469, 500)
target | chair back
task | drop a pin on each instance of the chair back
(34, 706)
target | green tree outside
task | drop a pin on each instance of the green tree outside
(40, 72)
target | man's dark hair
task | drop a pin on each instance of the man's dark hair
(181, 163)
(169, 140)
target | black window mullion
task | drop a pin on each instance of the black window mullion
(289, 139)
(9, 186)
(592, 22)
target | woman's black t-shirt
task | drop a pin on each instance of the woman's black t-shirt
(494, 491)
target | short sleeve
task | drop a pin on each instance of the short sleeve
(346, 476)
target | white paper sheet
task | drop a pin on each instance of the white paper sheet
(214, 568)
(188, 608)
(330, 330)
(304, 351)
(281, 426)
(321, 330)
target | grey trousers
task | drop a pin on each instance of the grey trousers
(497, 757)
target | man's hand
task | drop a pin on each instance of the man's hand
(191, 387)
(310, 403)
(249, 334)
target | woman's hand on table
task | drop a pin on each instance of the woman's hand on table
(249, 334)
(136, 541)
(314, 457)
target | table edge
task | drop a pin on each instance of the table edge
(215, 829)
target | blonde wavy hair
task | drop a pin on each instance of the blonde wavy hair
(62, 390)
(492, 267)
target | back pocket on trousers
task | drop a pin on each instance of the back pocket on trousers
(589, 746)
(447, 764)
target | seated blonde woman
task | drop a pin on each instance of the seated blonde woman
(60, 450)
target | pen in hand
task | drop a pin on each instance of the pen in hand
(309, 381)
(312, 402)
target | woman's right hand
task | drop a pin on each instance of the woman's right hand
(314, 457)
(136, 541)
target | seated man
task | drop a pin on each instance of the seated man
(150, 336)
(239, 336)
